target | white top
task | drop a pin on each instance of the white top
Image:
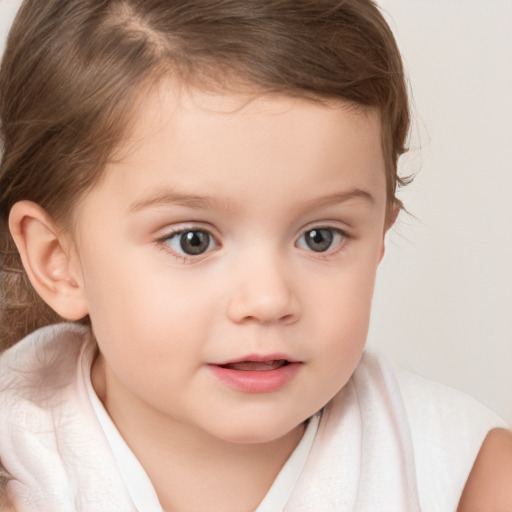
(388, 441)
(135, 478)
(139, 486)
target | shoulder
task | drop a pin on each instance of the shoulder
(447, 429)
(488, 485)
(36, 375)
(42, 354)
(52, 447)
(427, 402)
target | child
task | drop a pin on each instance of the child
(203, 190)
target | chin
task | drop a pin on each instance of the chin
(260, 432)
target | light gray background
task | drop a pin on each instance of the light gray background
(443, 302)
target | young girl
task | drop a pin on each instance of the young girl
(202, 190)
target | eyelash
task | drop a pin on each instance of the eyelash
(163, 242)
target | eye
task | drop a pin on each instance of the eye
(320, 239)
(191, 242)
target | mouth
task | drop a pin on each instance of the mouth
(256, 366)
(257, 374)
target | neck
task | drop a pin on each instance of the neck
(190, 469)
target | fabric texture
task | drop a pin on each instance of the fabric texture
(139, 486)
(388, 441)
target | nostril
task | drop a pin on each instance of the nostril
(286, 319)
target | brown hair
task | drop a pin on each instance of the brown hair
(73, 70)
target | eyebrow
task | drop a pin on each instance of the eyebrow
(339, 197)
(172, 197)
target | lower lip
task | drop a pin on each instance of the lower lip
(263, 381)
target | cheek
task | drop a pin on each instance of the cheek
(144, 305)
(336, 335)
(343, 312)
(344, 294)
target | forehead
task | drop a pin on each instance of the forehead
(235, 145)
(174, 103)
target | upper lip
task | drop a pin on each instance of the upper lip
(257, 358)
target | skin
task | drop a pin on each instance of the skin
(258, 173)
(488, 487)
(268, 169)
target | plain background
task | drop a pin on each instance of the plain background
(443, 301)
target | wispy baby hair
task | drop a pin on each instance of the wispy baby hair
(73, 72)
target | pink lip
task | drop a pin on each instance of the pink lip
(256, 358)
(256, 381)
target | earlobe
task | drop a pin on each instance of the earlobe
(46, 257)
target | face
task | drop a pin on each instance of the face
(228, 259)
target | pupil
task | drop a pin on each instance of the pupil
(319, 240)
(195, 242)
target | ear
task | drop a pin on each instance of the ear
(49, 260)
(391, 215)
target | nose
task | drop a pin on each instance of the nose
(263, 292)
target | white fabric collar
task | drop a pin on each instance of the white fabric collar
(135, 478)
(139, 486)
(372, 437)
